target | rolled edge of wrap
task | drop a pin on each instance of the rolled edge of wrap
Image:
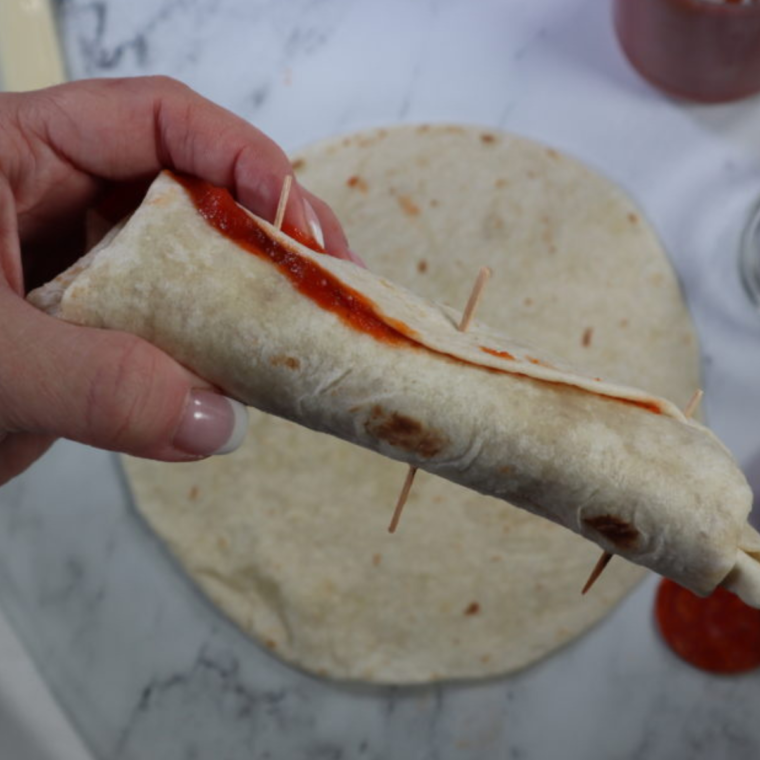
(48, 297)
(744, 578)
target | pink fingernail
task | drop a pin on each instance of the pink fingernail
(314, 225)
(356, 258)
(212, 424)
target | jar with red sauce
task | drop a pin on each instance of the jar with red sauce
(703, 50)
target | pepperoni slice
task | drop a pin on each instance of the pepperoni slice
(720, 634)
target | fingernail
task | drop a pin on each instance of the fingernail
(356, 258)
(212, 424)
(313, 221)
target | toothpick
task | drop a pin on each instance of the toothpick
(472, 303)
(402, 497)
(693, 404)
(597, 571)
(604, 560)
(282, 205)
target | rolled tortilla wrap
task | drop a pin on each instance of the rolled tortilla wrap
(333, 347)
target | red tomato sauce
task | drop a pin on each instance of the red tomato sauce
(218, 208)
(500, 354)
(720, 634)
(701, 50)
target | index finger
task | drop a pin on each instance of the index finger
(124, 129)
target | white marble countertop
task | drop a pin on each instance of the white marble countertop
(162, 676)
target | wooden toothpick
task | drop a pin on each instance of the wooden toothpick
(472, 303)
(597, 571)
(283, 203)
(604, 560)
(693, 404)
(402, 497)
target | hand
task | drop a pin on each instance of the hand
(61, 150)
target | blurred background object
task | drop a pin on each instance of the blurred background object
(704, 50)
(30, 54)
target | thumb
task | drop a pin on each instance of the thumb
(107, 389)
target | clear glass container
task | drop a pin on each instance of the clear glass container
(702, 50)
(749, 256)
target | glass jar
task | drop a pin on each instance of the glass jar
(703, 50)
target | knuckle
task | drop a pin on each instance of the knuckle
(167, 84)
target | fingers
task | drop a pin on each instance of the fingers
(19, 450)
(10, 261)
(129, 129)
(106, 389)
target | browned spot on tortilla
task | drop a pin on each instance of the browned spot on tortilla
(422, 266)
(586, 339)
(500, 183)
(528, 301)
(423, 128)
(656, 278)
(540, 362)
(633, 218)
(222, 543)
(404, 432)
(271, 643)
(623, 323)
(358, 183)
(487, 138)
(493, 223)
(193, 493)
(473, 608)
(485, 658)
(495, 352)
(160, 200)
(552, 153)
(531, 174)
(434, 203)
(285, 361)
(505, 469)
(408, 206)
(377, 559)
(298, 164)
(614, 529)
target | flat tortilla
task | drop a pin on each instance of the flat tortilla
(337, 379)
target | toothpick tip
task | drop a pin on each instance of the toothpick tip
(402, 497)
(602, 563)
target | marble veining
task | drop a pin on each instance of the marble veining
(142, 664)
